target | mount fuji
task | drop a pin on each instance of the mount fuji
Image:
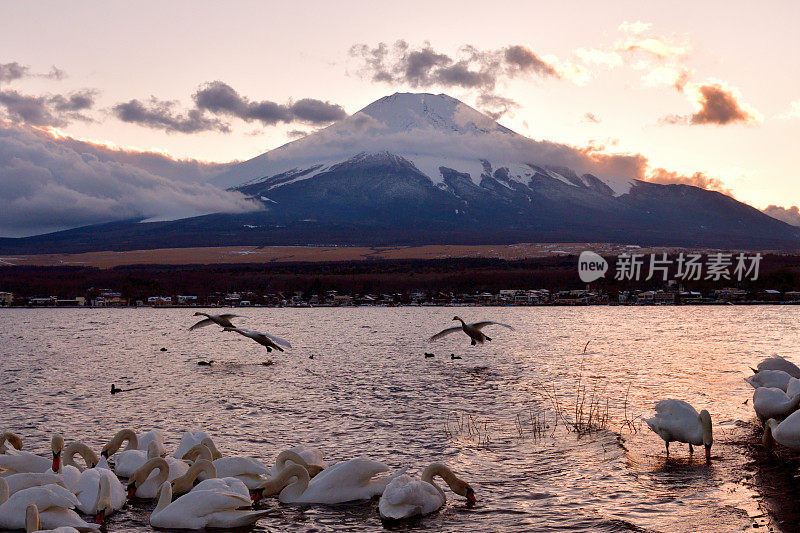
(413, 169)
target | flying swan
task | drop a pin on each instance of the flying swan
(472, 330)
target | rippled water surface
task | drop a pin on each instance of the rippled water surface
(369, 391)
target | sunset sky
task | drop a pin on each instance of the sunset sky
(695, 87)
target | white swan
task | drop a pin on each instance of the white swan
(769, 378)
(189, 439)
(12, 438)
(678, 421)
(64, 461)
(148, 478)
(308, 458)
(17, 461)
(793, 387)
(787, 433)
(343, 482)
(34, 523)
(472, 330)
(201, 509)
(270, 342)
(779, 363)
(223, 320)
(136, 452)
(99, 491)
(18, 482)
(405, 496)
(771, 402)
(248, 470)
(56, 504)
(186, 482)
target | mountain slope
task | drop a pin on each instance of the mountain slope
(427, 169)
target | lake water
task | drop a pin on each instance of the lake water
(369, 391)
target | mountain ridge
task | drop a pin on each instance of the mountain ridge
(412, 169)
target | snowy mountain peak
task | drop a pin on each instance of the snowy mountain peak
(408, 111)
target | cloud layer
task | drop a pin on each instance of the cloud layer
(49, 184)
(470, 68)
(218, 99)
(789, 215)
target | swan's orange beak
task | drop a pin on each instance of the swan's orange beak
(131, 490)
(471, 496)
(56, 461)
(257, 495)
(708, 452)
(99, 517)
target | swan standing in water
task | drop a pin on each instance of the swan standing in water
(220, 320)
(270, 342)
(787, 433)
(56, 504)
(771, 402)
(405, 496)
(144, 483)
(12, 438)
(201, 509)
(472, 330)
(343, 482)
(678, 421)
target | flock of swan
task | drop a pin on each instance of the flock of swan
(775, 400)
(196, 486)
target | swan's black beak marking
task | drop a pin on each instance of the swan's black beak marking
(131, 490)
(471, 496)
(104, 453)
(257, 495)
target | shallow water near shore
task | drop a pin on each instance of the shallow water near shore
(369, 391)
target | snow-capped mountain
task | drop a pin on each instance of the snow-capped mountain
(429, 131)
(428, 169)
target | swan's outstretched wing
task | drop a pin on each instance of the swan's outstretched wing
(277, 340)
(203, 323)
(444, 333)
(479, 325)
(228, 316)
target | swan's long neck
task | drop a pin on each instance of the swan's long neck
(32, 521)
(12, 438)
(768, 438)
(116, 441)
(81, 449)
(215, 453)
(299, 486)
(186, 481)
(141, 475)
(280, 482)
(4, 491)
(289, 455)
(438, 469)
(165, 498)
(103, 495)
(197, 452)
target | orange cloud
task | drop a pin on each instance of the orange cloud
(698, 179)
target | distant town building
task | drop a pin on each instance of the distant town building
(6, 298)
